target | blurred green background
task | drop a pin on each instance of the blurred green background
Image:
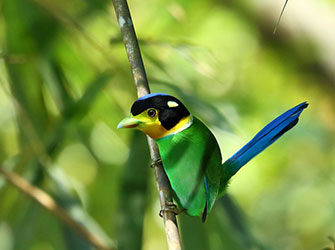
(65, 83)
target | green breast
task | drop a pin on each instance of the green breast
(188, 157)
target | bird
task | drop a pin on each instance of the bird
(190, 153)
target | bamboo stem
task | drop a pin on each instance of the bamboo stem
(142, 87)
(46, 201)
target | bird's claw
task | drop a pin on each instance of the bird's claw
(169, 207)
(156, 163)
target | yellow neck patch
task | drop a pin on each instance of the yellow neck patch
(155, 130)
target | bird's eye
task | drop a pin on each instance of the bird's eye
(151, 113)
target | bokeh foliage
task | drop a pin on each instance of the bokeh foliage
(65, 84)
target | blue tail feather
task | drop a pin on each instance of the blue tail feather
(264, 138)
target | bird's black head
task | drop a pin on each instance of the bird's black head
(168, 108)
(158, 115)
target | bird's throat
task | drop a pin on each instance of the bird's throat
(157, 131)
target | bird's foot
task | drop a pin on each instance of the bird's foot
(169, 207)
(156, 163)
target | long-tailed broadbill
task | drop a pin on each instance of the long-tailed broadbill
(190, 154)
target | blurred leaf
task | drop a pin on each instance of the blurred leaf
(6, 236)
(193, 232)
(63, 191)
(134, 194)
(59, 86)
(73, 240)
(34, 27)
(92, 91)
(35, 225)
(239, 224)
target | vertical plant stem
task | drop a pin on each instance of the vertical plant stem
(142, 87)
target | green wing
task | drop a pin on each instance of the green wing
(189, 158)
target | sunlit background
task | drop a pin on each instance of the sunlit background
(65, 83)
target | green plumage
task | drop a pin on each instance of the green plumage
(191, 156)
(188, 157)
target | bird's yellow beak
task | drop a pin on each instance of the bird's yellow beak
(129, 122)
(149, 125)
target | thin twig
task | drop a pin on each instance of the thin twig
(142, 87)
(281, 14)
(47, 202)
